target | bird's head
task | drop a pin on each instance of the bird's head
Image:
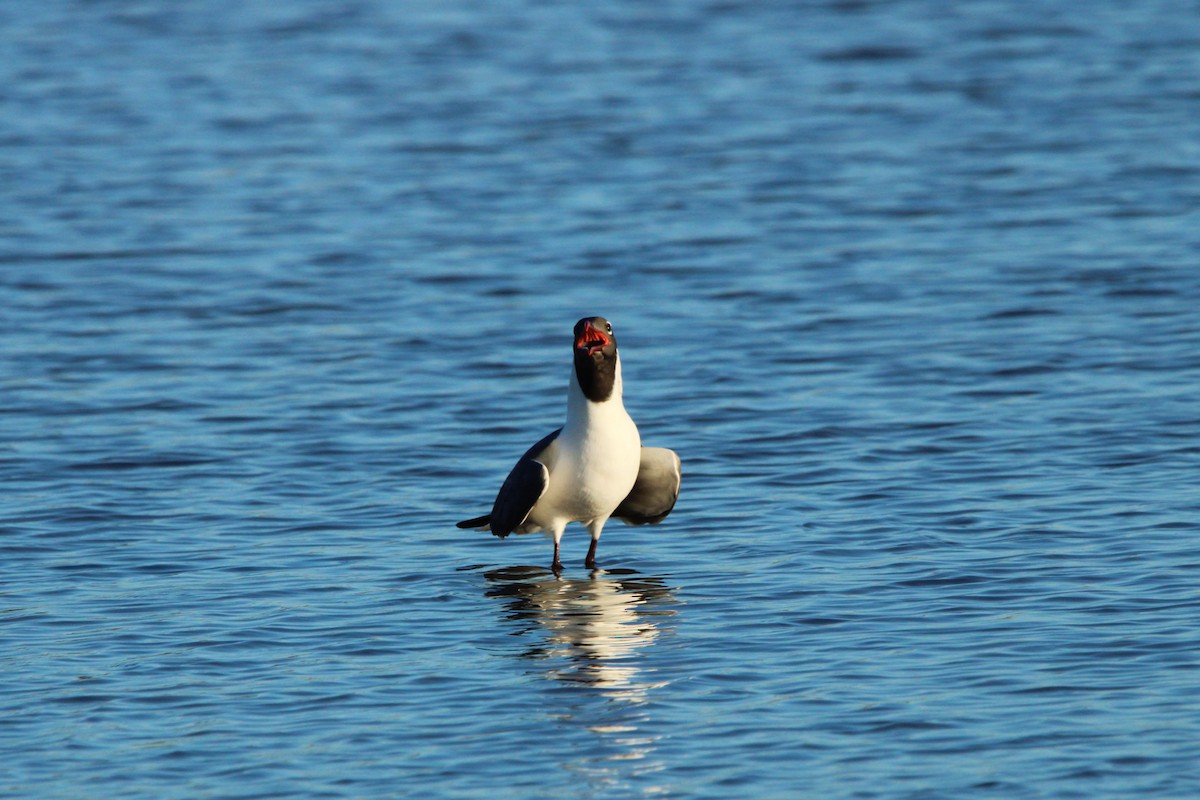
(594, 338)
(595, 358)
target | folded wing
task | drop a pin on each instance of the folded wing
(655, 490)
(520, 492)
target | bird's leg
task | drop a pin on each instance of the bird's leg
(556, 565)
(594, 529)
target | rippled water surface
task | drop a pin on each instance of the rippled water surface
(912, 288)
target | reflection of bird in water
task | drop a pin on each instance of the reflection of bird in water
(598, 624)
(592, 634)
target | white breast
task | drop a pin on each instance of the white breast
(594, 463)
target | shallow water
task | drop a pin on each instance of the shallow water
(912, 290)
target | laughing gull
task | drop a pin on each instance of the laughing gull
(593, 467)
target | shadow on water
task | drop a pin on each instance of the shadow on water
(591, 636)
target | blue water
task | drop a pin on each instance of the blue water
(913, 289)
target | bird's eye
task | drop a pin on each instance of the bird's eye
(608, 327)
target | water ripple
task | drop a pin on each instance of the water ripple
(912, 293)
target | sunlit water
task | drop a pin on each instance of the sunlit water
(912, 288)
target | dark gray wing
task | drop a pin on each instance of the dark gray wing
(520, 491)
(522, 488)
(655, 490)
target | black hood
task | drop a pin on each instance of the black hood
(595, 349)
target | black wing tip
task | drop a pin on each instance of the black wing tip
(482, 522)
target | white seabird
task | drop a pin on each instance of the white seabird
(592, 468)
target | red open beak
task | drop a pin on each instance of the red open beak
(591, 339)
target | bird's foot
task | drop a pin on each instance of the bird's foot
(556, 567)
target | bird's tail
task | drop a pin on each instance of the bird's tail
(479, 523)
